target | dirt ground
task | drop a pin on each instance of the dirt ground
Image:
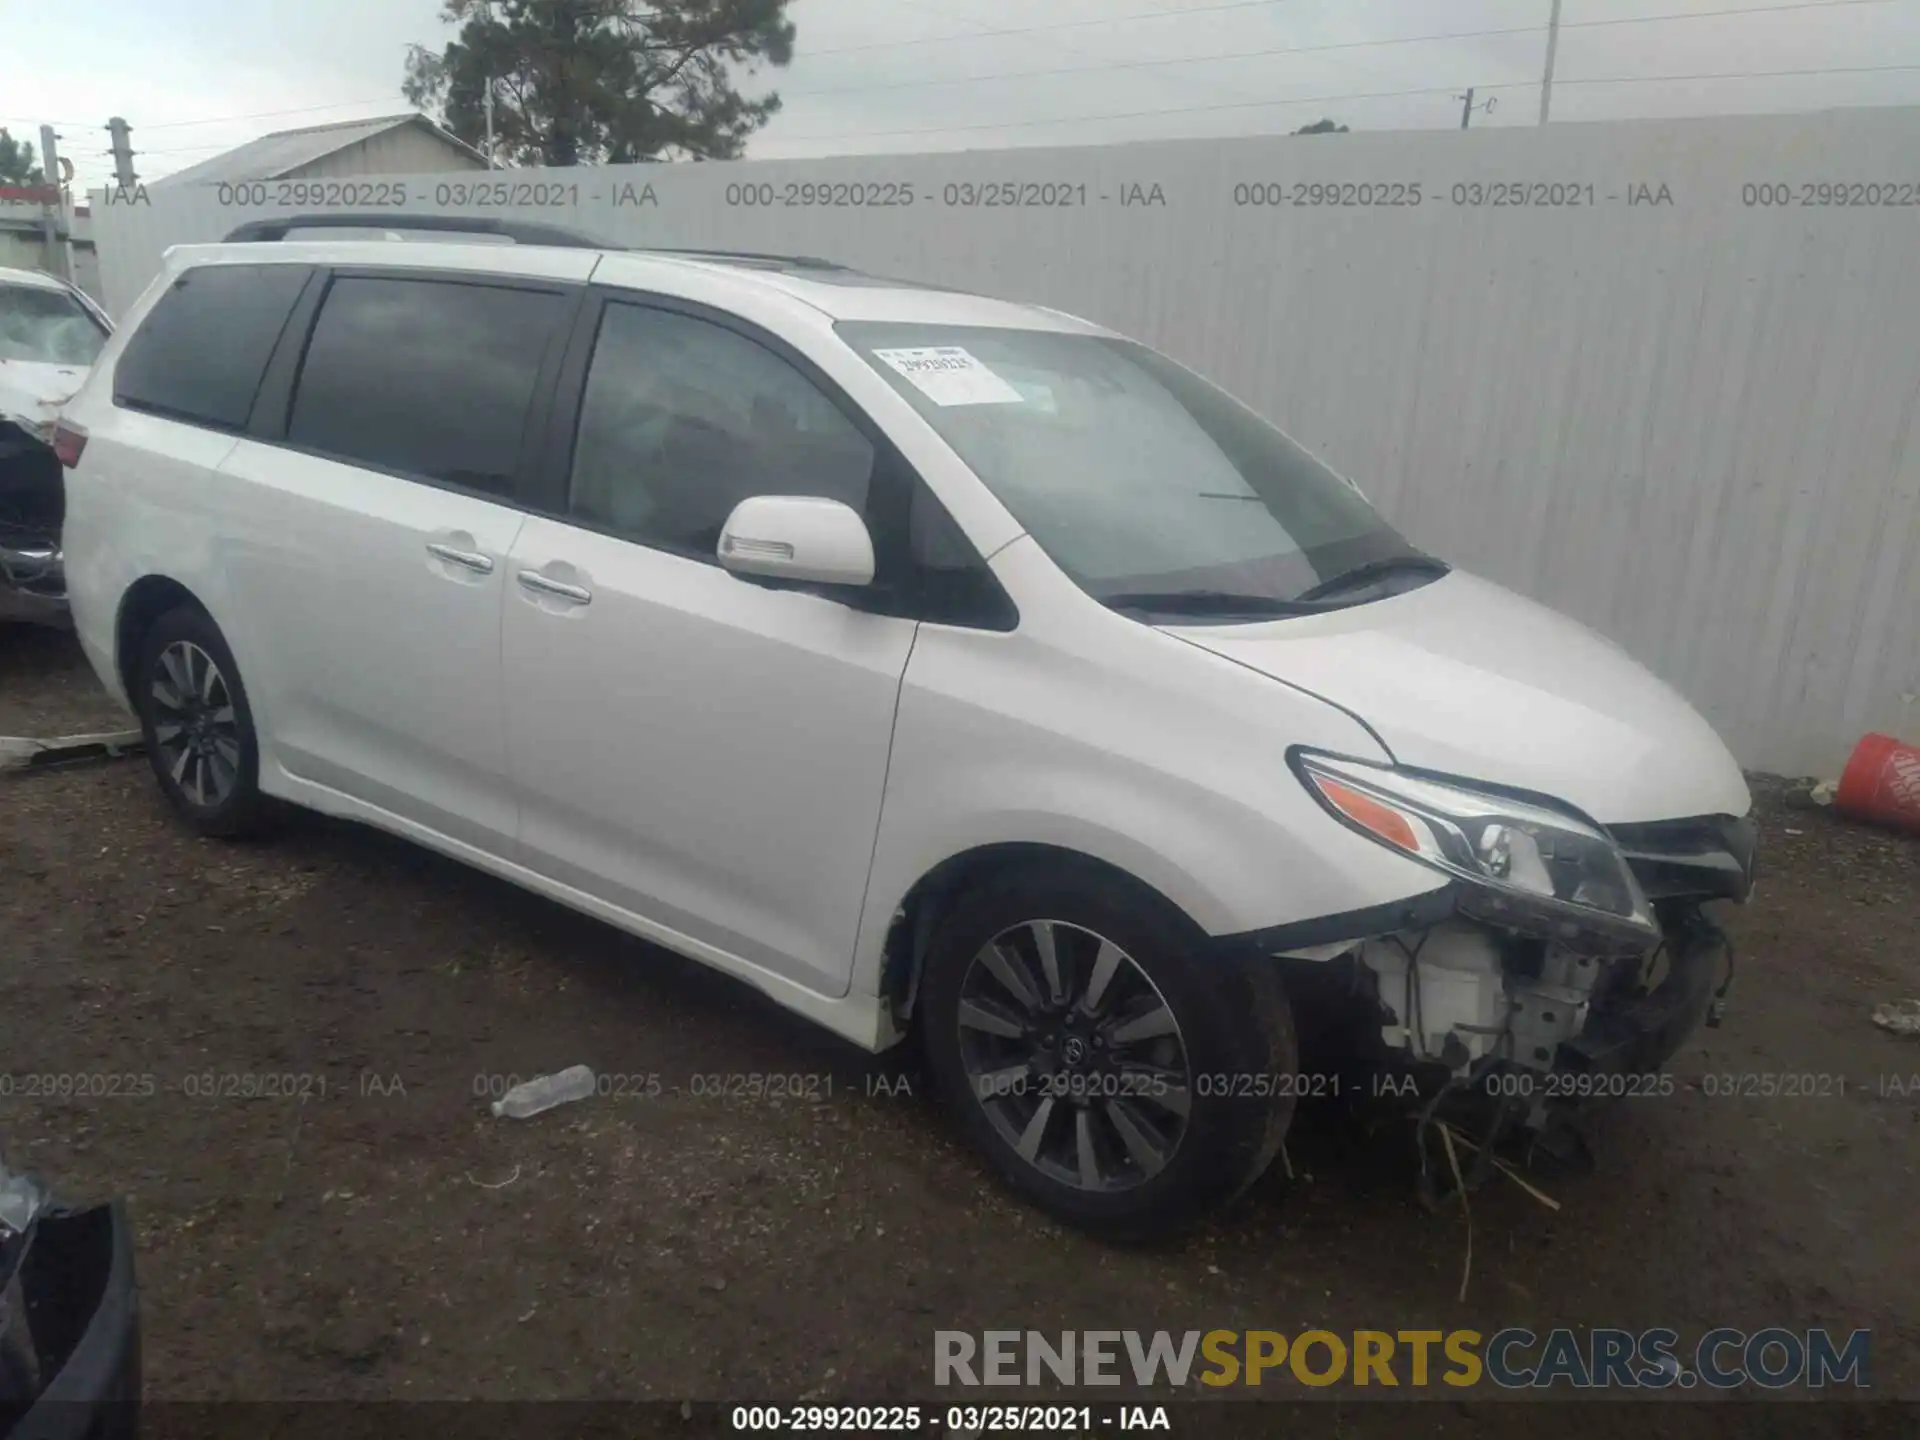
(378, 1234)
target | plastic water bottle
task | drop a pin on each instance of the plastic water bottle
(544, 1092)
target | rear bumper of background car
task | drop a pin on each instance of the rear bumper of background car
(83, 1310)
(33, 584)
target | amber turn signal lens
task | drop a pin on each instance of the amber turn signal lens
(1383, 820)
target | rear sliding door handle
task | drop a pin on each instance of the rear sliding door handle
(534, 580)
(479, 564)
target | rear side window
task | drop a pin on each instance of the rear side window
(200, 353)
(425, 377)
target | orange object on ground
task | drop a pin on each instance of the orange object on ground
(1882, 783)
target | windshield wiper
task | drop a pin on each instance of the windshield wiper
(1208, 602)
(1375, 570)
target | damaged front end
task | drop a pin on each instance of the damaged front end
(1559, 970)
(50, 335)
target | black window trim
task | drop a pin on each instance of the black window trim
(273, 406)
(200, 422)
(891, 489)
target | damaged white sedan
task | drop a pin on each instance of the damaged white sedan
(50, 334)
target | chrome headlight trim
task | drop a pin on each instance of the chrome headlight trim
(1525, 866)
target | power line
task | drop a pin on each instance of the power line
(1179, 60)
(1715, 14)
(1160, 62)
(266, 114)
(1735, 75)
(1122, 115)
(191, 149)
(1162, 14)
(1052, 43)
(1056, 25)
(983, 34)
(1334, 99)
(1177, 14)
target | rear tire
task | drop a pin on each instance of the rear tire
(1115, 1073)
(197, 725)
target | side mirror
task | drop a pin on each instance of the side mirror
(797, 537)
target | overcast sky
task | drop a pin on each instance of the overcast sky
(904, 75)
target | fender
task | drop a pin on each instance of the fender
(1006, 738)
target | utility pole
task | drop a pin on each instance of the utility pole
(1467, 107)
(54, 222)
(122, 152)
(1553, 46)
(487, 105)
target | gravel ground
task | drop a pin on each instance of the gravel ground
(47, 689)
(377, 1234)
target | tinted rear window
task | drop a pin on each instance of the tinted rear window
(426, 377)
(201, 351)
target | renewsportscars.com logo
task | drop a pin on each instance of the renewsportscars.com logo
(1511, 1359)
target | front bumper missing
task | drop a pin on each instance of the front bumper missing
(1619, 1054)
(1639, 1035)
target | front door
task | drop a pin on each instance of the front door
(699, 749)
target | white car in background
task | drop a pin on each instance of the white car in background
(50, 334)
(928, 661)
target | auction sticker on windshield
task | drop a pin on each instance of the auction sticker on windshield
(950, 375)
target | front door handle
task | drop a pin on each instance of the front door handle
(534, 580)
(471, 560)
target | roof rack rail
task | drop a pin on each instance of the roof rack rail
(521, 232)
(809, 262)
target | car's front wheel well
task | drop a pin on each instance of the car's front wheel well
(918, 917)
(146, 600)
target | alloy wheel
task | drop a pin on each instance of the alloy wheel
(194, 725)
(1074, 1055)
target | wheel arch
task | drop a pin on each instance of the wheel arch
(917, 917)
(144, 602)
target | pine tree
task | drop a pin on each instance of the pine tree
(16, 162)
(579, 82)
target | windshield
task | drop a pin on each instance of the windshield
(1144, 482)
(47, 326)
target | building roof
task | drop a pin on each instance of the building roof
(284, 151)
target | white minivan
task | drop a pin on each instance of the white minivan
(936, 664)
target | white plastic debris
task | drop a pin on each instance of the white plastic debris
(544, 1092)
(1823, 793)
(1902, 1017)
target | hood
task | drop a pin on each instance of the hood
(1468, 679)
(31, 393)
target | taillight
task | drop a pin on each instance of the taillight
(69, 441)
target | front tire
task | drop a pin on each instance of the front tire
(197, 725)
(1115, 1073)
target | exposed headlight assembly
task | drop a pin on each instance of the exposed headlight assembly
(1526, 867)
